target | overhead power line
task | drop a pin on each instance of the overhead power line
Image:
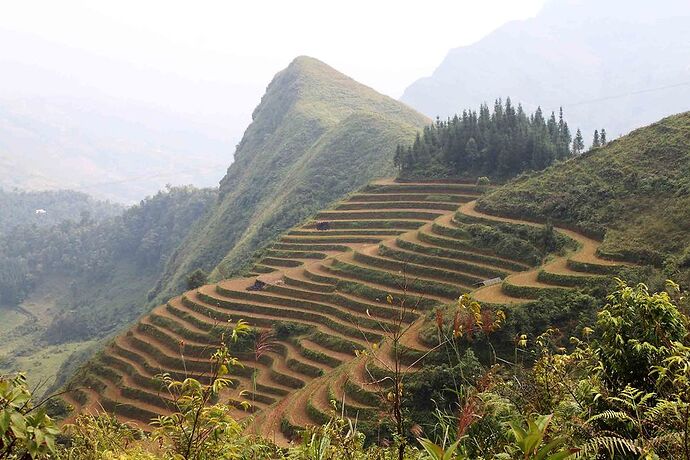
(631, 93)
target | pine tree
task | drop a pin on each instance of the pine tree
(578, 143)
(398, 158)
(503, 142)
(564, 137)
(603, 136)
(471, 151)
(595, 142)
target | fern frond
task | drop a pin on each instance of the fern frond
(610, 415)
(662, 411)
(611, 444)
(667, 439)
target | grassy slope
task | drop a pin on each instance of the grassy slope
(21, 329)
(315, 136)
(635, 190)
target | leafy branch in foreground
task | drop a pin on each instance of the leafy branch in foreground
(26, 431)
(200, 427)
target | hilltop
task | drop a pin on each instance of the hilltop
(596, 59)
(316, 135)
(634, 192)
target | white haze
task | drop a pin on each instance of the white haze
(123, 97)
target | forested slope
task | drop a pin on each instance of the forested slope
(65, 286)
(19, 208)
(316, 135)
(498, 143)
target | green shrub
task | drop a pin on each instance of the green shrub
(398, 281)
(416, 270)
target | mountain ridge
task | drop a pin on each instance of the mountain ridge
(315, 136)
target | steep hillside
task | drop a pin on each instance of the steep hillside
(333, 286)
(107, 148)
(596, 59)
(635, 192)
(315, 136)
(65, 286)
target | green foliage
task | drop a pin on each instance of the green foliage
(341, 439)
(285, 329)
(102, 436)
(436, 452)
(630, 192)
(127, 250)
(26, 431)
(18, 208)
(432, 388)
(196, 279)
(199, 428)
(621, 390)
(458, 409)
(530, 443)
(636, 333)
(22, 215)
(483, 182)
(502, 143)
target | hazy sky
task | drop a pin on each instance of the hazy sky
(199, 68)
(384, 44)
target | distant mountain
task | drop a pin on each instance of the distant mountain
(616, 64)
(119, 153)
(71, 119)
(316, 135)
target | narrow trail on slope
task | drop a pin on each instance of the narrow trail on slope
(586, 252)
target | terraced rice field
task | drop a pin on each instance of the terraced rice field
(329, 279)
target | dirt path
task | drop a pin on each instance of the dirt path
(588, 246)
(585, 253)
